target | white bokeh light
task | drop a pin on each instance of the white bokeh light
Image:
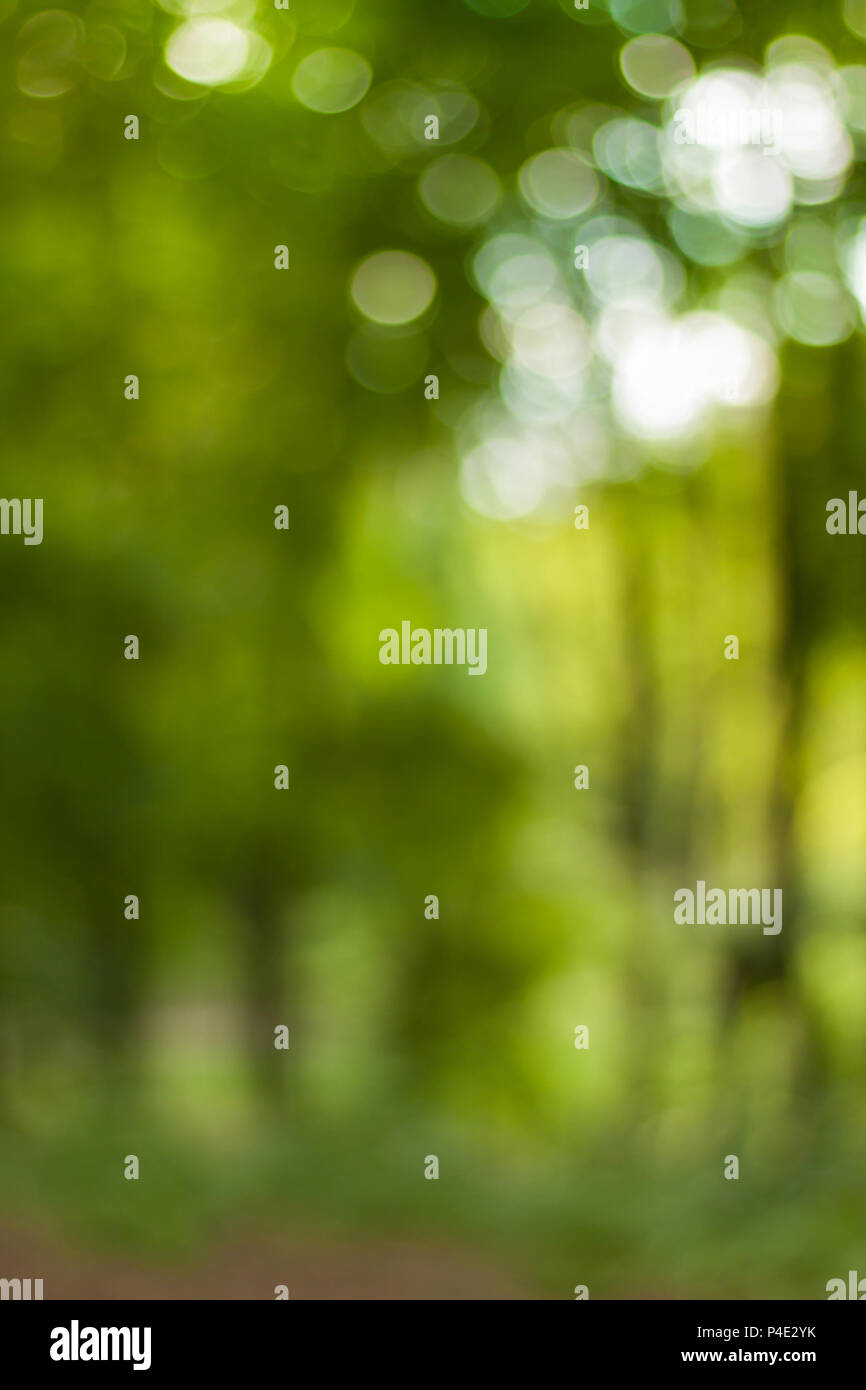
(514, 271)
(208, 51)
(331, 80)
(670, 373)
(558, 183)
(814, 141)
(551, 340)
(509, 475)
(393, 287)
(654, 65)
(750, 147)
(753, 190)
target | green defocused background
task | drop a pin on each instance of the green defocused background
(706, 449)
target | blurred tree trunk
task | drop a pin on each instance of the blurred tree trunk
(264, 1006)
(638, 743)
(814, 438)
(116, 957)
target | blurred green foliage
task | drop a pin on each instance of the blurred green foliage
(259, 647)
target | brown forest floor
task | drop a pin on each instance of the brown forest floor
(312, 1268)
